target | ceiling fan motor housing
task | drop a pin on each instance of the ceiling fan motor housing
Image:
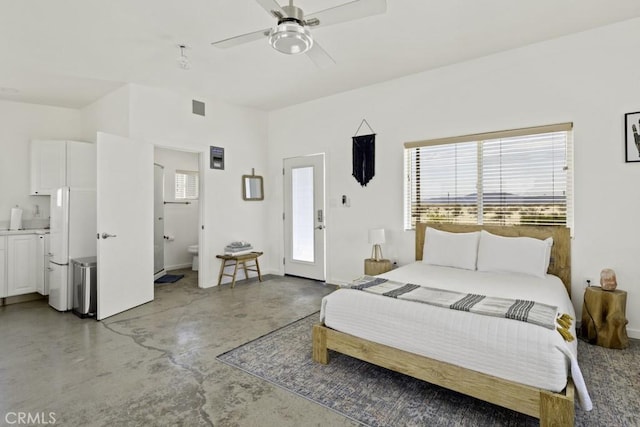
(294, 13)
(291, 36)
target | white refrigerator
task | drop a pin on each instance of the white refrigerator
(72, 235)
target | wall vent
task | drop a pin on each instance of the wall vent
(198, 107)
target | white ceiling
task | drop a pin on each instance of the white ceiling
(71, 52)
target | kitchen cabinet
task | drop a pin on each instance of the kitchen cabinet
(42, 264)
(3, 266)
(21, 264)
(48, 166)
(56, 164)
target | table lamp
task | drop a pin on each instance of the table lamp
(376, 238)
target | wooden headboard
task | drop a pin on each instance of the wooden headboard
(560, 264)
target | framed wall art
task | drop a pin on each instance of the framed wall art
(632, 137)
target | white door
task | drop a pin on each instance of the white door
(304, 217)
(125, 224)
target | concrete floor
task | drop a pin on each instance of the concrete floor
(155, 364)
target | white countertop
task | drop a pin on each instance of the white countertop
(31, 231)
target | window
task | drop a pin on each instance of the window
(187, 185)
(517, 177)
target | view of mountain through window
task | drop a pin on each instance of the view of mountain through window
(514, 180)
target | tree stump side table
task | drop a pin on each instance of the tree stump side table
(604, 318)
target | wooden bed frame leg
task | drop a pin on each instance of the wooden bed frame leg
(556, 409)
(320, 351)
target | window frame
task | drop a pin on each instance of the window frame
(480, 139)
(188, 174)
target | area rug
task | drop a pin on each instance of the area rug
(169, 278)
(375, 396)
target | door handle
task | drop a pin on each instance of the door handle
(320, 227)
(107, 235)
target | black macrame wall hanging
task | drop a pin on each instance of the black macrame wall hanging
(364, 155)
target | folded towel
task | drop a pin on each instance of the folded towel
(237, 248)
(244, 252)
(240, 244)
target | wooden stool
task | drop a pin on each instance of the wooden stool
(236, 260)
(604, 318)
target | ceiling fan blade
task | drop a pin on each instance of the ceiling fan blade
(241, 39)
(349, 11)
(320, 57)
(272, 8)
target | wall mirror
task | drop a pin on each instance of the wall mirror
(252, 188)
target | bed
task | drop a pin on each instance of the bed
(465, 352)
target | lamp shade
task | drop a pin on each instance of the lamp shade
(291, 38)
(376, 236)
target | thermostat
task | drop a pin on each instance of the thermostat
(216, 155)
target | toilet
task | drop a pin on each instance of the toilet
(193, 249)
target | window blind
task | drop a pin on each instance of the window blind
(518, 178)
(186, 185)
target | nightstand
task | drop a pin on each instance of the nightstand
(373, 267)
(604, 317)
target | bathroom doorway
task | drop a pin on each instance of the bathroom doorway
(177, 214)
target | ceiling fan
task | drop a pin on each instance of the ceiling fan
(291, 35)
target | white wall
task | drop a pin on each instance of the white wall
(109, 114)
(19, 124)
(590, 79)
(164, 118)
(180, 220)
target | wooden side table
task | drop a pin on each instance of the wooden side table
(604, 317)
(235, 260)
(373, 267)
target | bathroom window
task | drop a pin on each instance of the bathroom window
(187, 185)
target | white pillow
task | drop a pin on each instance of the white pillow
(524, 255)
(458, 250)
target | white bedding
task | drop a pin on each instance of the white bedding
(508, 349)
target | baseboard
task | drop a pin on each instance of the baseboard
(633, 333)
(177, 266)
(21, 298)
(272, 271)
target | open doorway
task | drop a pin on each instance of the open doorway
(177, 216)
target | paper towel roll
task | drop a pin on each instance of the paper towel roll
(16, 219)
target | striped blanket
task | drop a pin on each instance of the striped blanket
(525, 311)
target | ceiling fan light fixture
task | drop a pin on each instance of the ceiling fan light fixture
(291, 38)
